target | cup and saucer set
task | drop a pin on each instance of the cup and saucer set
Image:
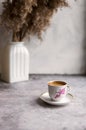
(58, 93)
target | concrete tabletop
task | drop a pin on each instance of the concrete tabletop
(21, 108)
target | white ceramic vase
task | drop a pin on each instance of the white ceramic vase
(15, 62)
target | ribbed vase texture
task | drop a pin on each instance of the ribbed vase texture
(15, 62)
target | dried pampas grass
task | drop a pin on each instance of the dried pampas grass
(29, 17)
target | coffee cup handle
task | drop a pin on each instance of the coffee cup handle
(69, 88)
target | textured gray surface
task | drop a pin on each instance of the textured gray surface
(20, 108)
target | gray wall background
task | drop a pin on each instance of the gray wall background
(63, 49)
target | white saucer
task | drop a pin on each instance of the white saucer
(45, 97)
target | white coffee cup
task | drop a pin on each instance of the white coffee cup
(57, 89)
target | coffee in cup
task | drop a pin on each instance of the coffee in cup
(57, 90)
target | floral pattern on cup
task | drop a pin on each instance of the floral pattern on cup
(62, 91)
